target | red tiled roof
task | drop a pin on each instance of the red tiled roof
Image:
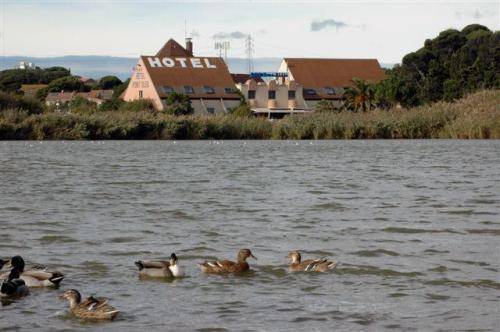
(172, 48)
(243, 78)
(177, 77)
(321, 73)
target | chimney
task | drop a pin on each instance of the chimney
(189, 46)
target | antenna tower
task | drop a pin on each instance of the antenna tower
(249, 51)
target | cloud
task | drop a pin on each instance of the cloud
(230, 35)
(320, 25)
(476, 14)
(195, 34)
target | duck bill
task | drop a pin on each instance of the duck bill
(61, 297)
(251, 255)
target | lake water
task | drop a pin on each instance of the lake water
(414, 224)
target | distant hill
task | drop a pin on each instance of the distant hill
(96, 66)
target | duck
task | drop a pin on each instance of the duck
(226, 266)
(91, 308)
(308, 265)
(161, 269)
(13, 286)
(35, 277)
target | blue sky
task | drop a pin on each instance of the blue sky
(349, 29)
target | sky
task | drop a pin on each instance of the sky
(386, 30)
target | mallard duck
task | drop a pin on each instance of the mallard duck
(162, 269)
(225, 266)
(309, 265)
(35, 277)
(91, 308)
(13, 286)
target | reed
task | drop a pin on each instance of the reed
(475, 116)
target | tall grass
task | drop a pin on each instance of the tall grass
(476, 116)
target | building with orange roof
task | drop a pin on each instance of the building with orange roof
(301, 83)
(205, 80)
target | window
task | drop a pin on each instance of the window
(229, 90)
(168, 89)
(309, 92)
(211, 110)
(251, 94)
(140, 94)
(188, 89)
(291, 94)
(271, 94)
(208, 89)
(329, 90)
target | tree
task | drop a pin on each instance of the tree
(361, 96)
(178, 104)
(16, 102)
(12, 79)
(242, 110)
(108, 82)
(70, 83)
(119, 89)
(447, 67)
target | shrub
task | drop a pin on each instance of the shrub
(11, 101)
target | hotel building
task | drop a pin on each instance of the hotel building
(205, 80)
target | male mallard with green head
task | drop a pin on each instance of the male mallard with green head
(161, 269)
(92, 308)
(226, 266)
(309, 265)
(35, 277)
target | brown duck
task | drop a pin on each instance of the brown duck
(91, 308)
(225, 266)
(309, 265)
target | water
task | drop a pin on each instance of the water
(415, 225)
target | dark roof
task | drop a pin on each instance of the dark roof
(321, 73)
(243, 78)
(177, 77)
(172, 48)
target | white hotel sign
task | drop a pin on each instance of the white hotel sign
(182, 62)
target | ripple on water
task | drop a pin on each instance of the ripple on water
(407, 230)
(49, 239)
(373, 270)
(487, 231)
(482, 283)
(375, 253)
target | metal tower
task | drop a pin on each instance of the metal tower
(249, 52)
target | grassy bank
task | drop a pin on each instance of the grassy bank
(475, 116)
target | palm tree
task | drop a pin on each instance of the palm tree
(361, 96)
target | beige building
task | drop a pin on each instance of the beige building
(274, 98)
(205, 80)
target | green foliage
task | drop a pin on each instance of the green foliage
(476, 116)
(69, 83)
(42, 93)
(15, 102)
(119, 89)
(108, 83)
(326, 106)
(12, 79)
(361, 96)
(447, 67)
(178, 104)
(136, 106)
(242, 110)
